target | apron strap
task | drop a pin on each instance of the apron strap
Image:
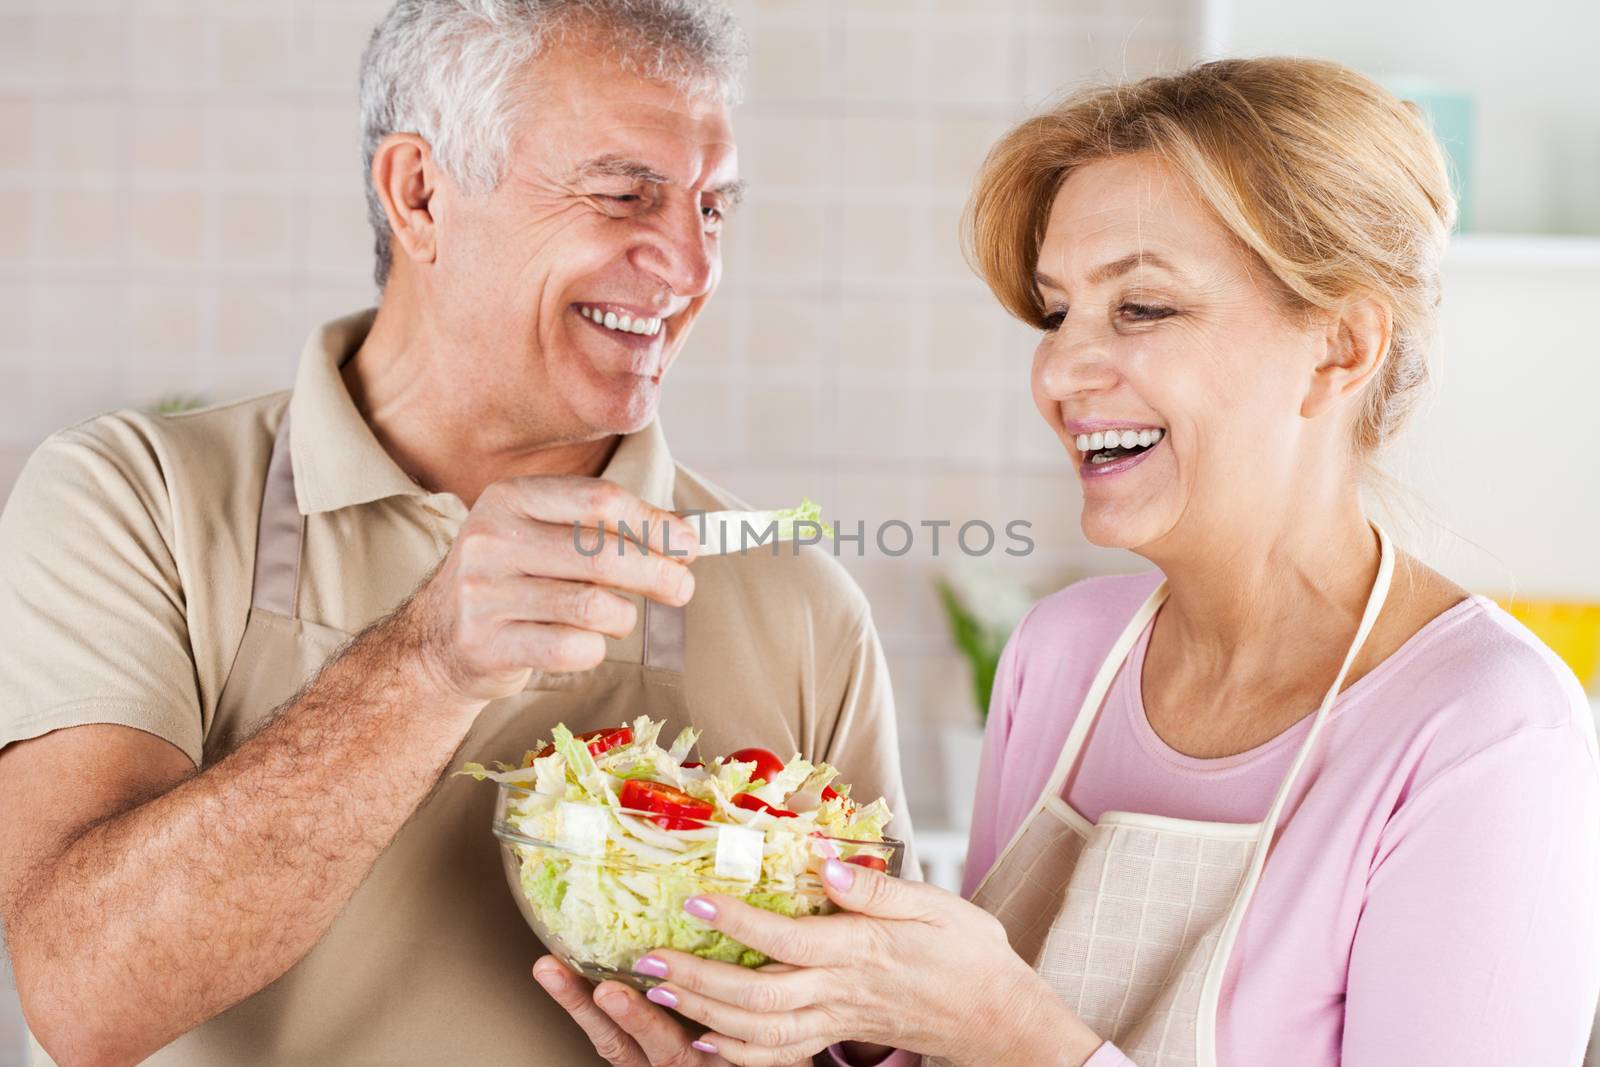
(665, 633)
(280, 533)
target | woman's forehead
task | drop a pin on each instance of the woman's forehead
(1111, 209)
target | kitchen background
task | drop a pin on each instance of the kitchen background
(185, 203)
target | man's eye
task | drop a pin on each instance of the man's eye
(625, 198)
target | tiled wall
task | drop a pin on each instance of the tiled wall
(184, 202)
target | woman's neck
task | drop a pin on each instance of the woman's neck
(1312, 573)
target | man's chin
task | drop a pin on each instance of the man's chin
(622, 410)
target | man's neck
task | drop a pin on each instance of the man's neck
(400, 383)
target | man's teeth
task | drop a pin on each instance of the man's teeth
(1093, 442)
(622, 323)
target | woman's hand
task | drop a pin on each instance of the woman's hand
(624, 1029)
(906, 964)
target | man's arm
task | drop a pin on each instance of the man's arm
(134, 917)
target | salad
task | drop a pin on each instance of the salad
(607, 833)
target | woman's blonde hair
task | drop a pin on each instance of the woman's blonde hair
(1334, 185)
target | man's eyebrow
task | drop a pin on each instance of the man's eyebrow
(1115, 269)
(633, 169)
(620, 167)
(732, 192)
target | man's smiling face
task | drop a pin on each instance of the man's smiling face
(609, 212)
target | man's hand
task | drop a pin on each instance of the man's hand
(625, 1029)
(516, 593)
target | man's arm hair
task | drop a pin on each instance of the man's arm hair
(141, 898)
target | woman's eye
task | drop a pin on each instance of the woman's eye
(1145, 312)
(1052, 322)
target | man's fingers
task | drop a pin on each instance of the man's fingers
(596, 504)
(551, 600)
(545, 551)
(663, 1041)
(573, 993)
(553, 648)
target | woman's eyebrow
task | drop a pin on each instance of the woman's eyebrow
(1115, 269)
(635, 170)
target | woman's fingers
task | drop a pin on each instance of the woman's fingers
(776, 988)
(745, 1054)
(806, 1027)
(807, 942)
(610, 1041)
(870, 892)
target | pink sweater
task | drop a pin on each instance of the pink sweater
(1434, 894)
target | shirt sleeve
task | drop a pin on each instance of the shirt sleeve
(90, 595)
(1479, 940)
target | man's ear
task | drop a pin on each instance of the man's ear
(1354, 346)
(405, 179)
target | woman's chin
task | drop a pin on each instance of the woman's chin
(1108, 529)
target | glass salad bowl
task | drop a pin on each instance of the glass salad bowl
(602, 885)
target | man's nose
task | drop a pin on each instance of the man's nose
(682, 254)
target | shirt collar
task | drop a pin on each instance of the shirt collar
(338, 463)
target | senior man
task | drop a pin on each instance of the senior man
(242, 644)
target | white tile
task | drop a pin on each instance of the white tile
(791, 59)
(785, 337)
(786, 150)
(256, 51)
(168, 136)
(171, 51)
(82, 136)
(85, 51)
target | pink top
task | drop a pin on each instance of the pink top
(1434, 893)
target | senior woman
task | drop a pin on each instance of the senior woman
(1293, 798)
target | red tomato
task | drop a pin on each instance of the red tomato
(877, 863)
(751, 802)
(829, 793)
(767, 764)
(672, 809)
(599, 741)
(694, 764)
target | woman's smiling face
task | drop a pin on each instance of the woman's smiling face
(1159, 325)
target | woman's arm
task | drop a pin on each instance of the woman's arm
(1479, 942)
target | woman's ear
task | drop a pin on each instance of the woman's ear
(1354, 346)
(405, 179)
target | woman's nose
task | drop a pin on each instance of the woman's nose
(1068, 366)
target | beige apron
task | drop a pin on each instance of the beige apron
(1131, 919)
(429, 962)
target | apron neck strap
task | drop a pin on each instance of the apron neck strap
(280, 533)
(280, 536)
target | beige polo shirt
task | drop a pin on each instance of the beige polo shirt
(126, 559)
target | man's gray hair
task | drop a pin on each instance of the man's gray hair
(445, 69)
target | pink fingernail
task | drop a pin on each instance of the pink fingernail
(837, 874)
(704, 1046)
(700, 908)
(662, 996)
(651, 966)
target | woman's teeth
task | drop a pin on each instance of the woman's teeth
(1108, 445)
(1093, 442)
(622, 323)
